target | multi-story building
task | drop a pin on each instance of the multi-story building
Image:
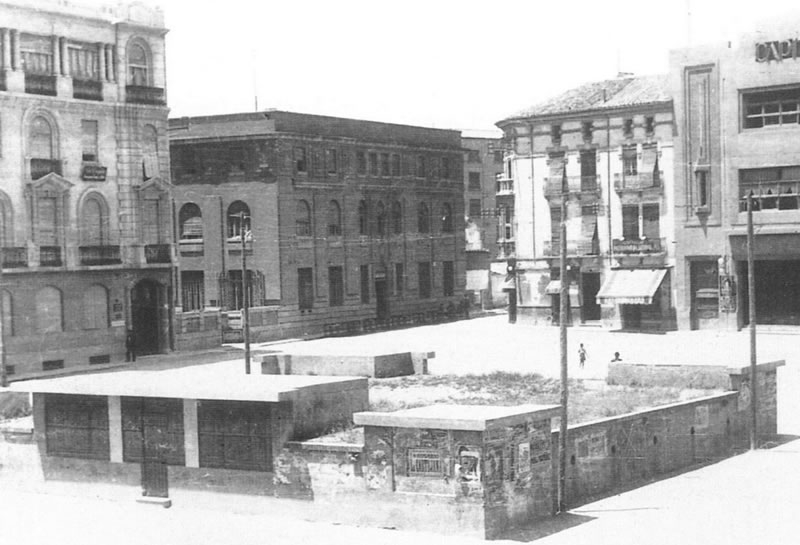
(344, 221)
(85, 216)
(604, 150)
(737, 106)
(489, 208)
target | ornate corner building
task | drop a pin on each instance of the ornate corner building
(348, 224)
(85, 211)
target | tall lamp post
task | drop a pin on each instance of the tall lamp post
(245, 233)
(562, 327)
(751, 304)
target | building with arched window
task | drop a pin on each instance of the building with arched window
(85, 213)
(336, 237)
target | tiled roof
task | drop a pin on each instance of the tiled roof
(613, 93)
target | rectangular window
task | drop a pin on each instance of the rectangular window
(424, 279)
(385, 167)
(421, 170)
(234, 435)
(701, 179)
(151, 225)
(395, 164)
(361, 162)
(399, 278)
(364, 275)
(474, 209)
(473, 156)
(300, 164)
(649, 125)
(474, 182)
(305, 288)
(446, 168)
(77, 426)
(36, 53)
(88, 140)
(777, 187)
(448, 278)
(627, 128)
(498, 157)
(630, 221)
(771, 108)
(586, 130)
(650, 221)
(555, 227)
(629, 161)
(331, 164)
(52, 365)
(152, 428)
(335, 286)
(83, 61)
(425, 462)
(555, 134)
(373, 164)
(236, 289)
(192, 290)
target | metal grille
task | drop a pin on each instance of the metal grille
(424, 462)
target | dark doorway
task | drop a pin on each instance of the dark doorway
(145, 317)
(777, 292)
(631, 317)
(381, 300)
(590, 285)
(704, 287)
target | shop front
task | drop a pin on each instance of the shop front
(643, 297)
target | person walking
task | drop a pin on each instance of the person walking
(130, 346)
(582, 355)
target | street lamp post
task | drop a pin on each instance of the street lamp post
(751, 304)
(245, 285)
(562, 326)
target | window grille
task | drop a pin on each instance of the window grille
(424, 462)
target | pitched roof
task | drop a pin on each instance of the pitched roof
(602, 95)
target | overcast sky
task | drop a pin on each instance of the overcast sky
(449, 64)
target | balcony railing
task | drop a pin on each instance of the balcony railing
(43, 167)
(157, 253)
(639, 246)
(50, 256)
(575, 185)
(15, 257)
(99, 255)
(87, 89)
(505, 185)
(40, 84)
(574, 248)
(138, 94)
(637, 182)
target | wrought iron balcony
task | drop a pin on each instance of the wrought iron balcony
(639, 246)
(99, 255)
(505, 185)
(139, 94)
(87, 89)
(157, 253)
(637, 182)
(553, 185)
(574, 248)
(40, 84)
(43, 167)
(15, 257)
(50, 256)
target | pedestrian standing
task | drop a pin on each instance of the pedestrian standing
(582, 355)
(616, 357)
(130, 346)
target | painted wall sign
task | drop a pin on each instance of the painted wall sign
(777, 50)
(94, 173)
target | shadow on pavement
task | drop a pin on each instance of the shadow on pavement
(545, 527)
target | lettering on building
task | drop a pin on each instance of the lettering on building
(777, 50)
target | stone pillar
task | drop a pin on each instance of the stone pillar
(16, 64)
(39, 423)
(114, 58)
(101, 61)
(5, 34)
(63, 54)
(56, 46)
(115, 429)
(191, 441)
(109, 56)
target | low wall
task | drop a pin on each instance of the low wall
(677, 376)
(375, 366)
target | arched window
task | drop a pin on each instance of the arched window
(235, 225)
(190, 221)
(302, 219)
(423, 218)
(8, 314)
(397, 218)
(380, 216)
(334, 219)
(95, 307)
(49, 315)
(94, 228)
(41, 138)
(149, 152)
(447, 218)
(362, 218)
(138, 65)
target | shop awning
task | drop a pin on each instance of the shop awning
(630, 286)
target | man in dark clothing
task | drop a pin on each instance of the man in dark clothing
(130, 346)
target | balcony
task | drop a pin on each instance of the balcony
(574, 248)
(638, 246)
(637, 182)
(139, 94)
(15, 257)
(50, 256)
(87, 89)
(40, 84)
(43, 167)
(505, 185)
(576, 185)
(190, 247)
(157, 253)
(99, 255)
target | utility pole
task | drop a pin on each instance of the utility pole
(3, 310)
(245, 285)
(562, 326)
(751, 307)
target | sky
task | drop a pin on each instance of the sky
(439, 63)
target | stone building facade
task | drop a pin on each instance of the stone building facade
(737, 106)
(344, 221)
(607, 148)
(85, 216)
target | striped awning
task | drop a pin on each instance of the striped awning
(630, 286)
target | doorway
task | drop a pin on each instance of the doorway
(590, 286)
(381, 299)
(145, 317)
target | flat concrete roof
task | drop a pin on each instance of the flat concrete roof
(189, 383)
(456, 417)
